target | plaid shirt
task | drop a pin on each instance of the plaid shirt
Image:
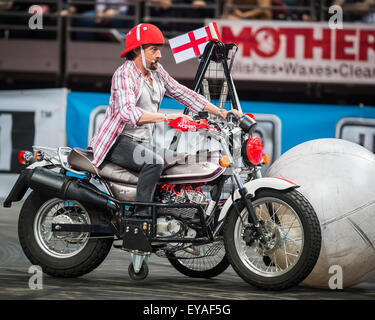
(123, 109)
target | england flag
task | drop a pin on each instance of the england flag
(192, 44)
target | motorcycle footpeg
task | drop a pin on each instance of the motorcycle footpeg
(135, 237)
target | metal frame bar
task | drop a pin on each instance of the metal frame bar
(220, 49)
(33, 2)
(121, 204)
(245, 6)
(153, 238)
(202, 67)
(94, 228)
(20, 27)
(229, 6)
(181, 6)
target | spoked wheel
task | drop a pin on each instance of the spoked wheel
(61, 254)
(204, 261)
(293, 240)
(142, 274)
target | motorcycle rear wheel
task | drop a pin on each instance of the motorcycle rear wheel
(64, 254)
(294, 240)
(203, 267)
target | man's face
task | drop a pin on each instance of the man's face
(152, 55)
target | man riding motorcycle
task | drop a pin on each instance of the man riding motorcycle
(265, 229)
(138, 87)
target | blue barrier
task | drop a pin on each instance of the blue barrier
(78, 110)
(299, 122)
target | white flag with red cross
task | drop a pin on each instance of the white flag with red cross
(192, 44)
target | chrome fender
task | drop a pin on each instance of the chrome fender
(252, 186)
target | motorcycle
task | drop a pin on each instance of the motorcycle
(265, 229)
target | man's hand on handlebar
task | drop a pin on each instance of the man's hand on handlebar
(233, 114)
(220, 112)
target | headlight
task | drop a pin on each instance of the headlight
(252, 151)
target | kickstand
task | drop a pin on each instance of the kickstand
(138, 261)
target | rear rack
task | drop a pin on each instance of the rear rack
(60, 154)
(63, 153)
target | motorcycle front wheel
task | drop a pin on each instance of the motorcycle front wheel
(293, 240)
(61, 254)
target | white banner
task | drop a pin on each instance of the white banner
(27, 118)
(301, 51)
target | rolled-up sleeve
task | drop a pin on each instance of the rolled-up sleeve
(124, 98)
(182, 94)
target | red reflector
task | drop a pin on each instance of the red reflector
(21, 157)
(254, 150)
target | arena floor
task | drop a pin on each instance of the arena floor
(111, 281)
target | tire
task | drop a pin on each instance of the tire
(40, 245)
(294, 246)
(141, 275)
(205, 267)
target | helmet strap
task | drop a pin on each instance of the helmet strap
(144, 59)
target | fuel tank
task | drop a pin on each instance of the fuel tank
(202, 167)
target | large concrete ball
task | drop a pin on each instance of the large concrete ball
(338, 178)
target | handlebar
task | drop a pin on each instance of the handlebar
(200, 121)
(231, 116)
(246, 122)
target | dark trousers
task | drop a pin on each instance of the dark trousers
(138, 157)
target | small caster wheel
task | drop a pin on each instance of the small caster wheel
(142, 274)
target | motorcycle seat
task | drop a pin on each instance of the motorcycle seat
(80, 159)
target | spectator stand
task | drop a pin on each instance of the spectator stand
(312, 10)
(26, 52)
(175, 17)
(268, 9)
(354, 10)
(95, 40)
(60, 54)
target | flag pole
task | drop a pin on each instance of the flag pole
(202, 68)
(231, 88)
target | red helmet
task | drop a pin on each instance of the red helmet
(144, 33)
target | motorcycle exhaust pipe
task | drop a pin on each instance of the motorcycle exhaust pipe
(63, 187)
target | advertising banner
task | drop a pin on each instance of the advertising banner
(301, 51)
(27, 118)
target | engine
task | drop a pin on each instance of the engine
(186, 194)
(168, 227)
(173, 222)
